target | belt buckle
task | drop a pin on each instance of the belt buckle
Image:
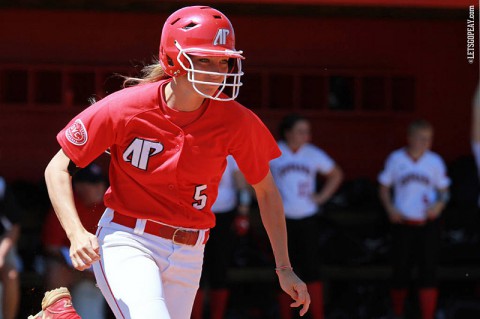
(173, 237)
(187, 233)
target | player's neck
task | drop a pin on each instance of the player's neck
(181, 99)
(415, 154)
(294, 147)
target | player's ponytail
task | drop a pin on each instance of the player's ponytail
(150, 73)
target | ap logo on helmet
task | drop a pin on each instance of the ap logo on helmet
(221, 37)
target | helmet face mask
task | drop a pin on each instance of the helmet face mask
(201, 31)
(231, 79)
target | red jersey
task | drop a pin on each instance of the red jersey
(161, 171)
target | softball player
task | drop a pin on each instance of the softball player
(169, 137)
(295, 173)
(420, 186)
(10, 229)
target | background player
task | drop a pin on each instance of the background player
(231, 213)
(476, 130)
(296, 173)
(9, 260)
(419, 182)
(89, 186)
(169, 137)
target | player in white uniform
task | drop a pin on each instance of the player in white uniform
(231, 212)
(295, 173)
(419, 182)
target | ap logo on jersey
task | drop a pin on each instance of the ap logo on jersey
(221, 37)
(139, 152)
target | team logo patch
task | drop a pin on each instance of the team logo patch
(77, 134)
(221, 37)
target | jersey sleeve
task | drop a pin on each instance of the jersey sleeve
(253, 147)
(441, 179)
(386, 176)
(323, 162)
(88, 134)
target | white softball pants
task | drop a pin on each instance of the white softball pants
(144, 276)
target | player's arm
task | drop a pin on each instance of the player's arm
(11, 223)
(8, 241)
(84, 246)
(273, 219)
(476, 117)
(443, 196)
(386, 200)
(332, 182)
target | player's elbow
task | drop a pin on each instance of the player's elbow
(57, 166)
(336, 176)
(339, 174)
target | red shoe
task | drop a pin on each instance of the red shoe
(57, 304)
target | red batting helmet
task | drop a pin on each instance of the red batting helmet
(200, 31)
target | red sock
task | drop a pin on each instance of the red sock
(284, 301)
(315, 289)
(218, 303)
(428, 302)
(197, 310)
(398, 297)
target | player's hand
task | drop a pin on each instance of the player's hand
(84, 250)
(241, 224)
(319, 199)
(2, 261)
(395, 216)
(434, 211)
(296, 288)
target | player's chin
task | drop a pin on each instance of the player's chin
(208, 89)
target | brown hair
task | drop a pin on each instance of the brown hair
(288, 122)
(417, 125)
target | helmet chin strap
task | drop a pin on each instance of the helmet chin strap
(191, 72)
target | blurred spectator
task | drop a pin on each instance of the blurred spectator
(89, 187)
(9, 260)
(419, 183)
(231, 210)
(295, 173)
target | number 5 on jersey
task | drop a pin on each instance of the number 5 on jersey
(200, 199)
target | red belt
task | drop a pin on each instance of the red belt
(412, 222)
(177, 235)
